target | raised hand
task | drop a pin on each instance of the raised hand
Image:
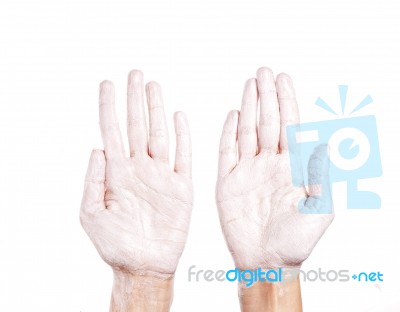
(267, 221)
(136, 209)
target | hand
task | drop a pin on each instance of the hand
(266, 220)
(136, 210)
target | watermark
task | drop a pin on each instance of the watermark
(249, 277)
(353, 150)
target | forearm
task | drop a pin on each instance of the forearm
(271, 297)
(133, 293)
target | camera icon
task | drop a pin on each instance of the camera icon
(353, 154)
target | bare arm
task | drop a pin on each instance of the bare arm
(271, 297)
(133, 293)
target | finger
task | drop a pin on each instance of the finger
(183, 154)
(137, 128)
(268, 129)
(158, 126)
(228, 144)
(93, 195)
(247, 129)
(289, 111)
(108, 122)
(319, 186)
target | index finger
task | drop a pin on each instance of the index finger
(288, 108)
(110, 132)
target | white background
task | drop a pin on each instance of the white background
(53, 54)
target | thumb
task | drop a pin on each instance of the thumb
(319, 199)
(93, 194)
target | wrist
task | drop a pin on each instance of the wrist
(282, 296)
(144, 292)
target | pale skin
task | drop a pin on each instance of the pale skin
(136, 209)
(259, 207)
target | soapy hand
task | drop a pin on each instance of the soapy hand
(266, 220)
(136, 210)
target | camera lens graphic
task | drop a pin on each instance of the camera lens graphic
(349, 148)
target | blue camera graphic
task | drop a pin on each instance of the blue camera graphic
(353, 152)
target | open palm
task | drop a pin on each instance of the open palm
(267, 221)
(135, 209)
